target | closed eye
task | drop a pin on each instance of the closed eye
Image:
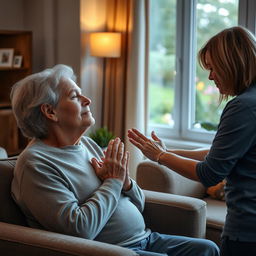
(74, 96)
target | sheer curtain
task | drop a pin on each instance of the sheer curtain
(126, 77)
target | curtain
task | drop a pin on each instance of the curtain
(126, 77)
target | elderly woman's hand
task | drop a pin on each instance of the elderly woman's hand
(114, 164)
(127, 181)
(152, 149)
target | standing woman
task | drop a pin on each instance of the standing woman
(230, 58)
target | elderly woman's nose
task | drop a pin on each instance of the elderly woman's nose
(85, 100)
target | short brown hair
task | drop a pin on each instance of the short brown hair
(233, 55)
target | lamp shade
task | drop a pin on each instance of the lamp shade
(105, 44)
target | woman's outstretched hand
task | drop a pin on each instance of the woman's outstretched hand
(152, 149)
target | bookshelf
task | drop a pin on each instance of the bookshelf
(19, 43)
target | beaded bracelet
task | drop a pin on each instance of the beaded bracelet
(159, 155)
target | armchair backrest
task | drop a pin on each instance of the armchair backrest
(9, 211)
(156, 177)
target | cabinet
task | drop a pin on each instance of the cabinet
(20, 43)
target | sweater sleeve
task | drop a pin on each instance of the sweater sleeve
(136, 195)
(234, 138)
(56, 208)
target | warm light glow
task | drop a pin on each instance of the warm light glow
(105, 44)
(92, 15)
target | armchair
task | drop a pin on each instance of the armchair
(163, 213)
(152, 176)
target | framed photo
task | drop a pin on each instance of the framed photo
(17, 61)
(6, 57)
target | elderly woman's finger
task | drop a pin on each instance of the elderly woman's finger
(115, 147)
(109, 149)
(120, 152)
(125, 158)
(127, 162)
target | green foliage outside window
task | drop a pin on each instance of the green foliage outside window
(212, 17)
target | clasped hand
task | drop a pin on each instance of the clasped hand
(114, 164)
(150, 148)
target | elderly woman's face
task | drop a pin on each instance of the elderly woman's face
(73, 111)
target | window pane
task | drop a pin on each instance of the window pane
(162, 61)
(212, 17)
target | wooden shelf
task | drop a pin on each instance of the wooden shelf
(14, 69)
(4, 105)
(21, 41)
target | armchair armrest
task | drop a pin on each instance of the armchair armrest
(174, 214)
(19, 240)
(153, 176)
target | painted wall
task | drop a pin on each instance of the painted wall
(12, 14)
(93, 19)
(55, 25)
(61, 31)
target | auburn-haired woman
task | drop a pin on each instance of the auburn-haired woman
(230, 58)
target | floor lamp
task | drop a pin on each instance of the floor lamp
(105, 45)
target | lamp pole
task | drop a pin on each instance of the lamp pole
(105, 45)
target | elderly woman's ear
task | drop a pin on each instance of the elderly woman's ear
(49, 112)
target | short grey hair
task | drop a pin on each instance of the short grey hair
(30, 93)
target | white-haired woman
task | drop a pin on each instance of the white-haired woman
(230, 57)
(64, 183)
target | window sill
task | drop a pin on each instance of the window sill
(184, 144)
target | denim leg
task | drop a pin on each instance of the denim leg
(159, 244)
(140, 249)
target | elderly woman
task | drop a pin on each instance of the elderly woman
(230, 57)
(64, 183)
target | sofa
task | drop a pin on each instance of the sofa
(163, 212)
(156, 177)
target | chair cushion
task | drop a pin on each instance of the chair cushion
(9, 211)
(216, 213)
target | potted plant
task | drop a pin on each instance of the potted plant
(102, 136)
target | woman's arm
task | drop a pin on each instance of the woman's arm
(196, 154)
(155, 152)
(182, 165)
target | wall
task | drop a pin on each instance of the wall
(55, 25)
(12, 14)
(60, 35)
(56, 31)
(92, 19)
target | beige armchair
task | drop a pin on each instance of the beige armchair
(152, 176)
(164, 213)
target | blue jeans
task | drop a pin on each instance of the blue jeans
(159, 244)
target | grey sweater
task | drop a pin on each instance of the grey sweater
(57, 190)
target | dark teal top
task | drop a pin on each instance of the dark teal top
(233, 156)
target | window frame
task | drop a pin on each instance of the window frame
(185, 71)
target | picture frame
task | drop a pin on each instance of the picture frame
(6, 57)
(17, 61)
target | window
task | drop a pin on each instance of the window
(182, 102)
